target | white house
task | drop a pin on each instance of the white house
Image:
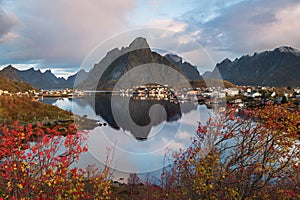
(256, 94)
(273, 94)
(252, 94)
(238, 101)
(218, 94)
(232, 92)
(297, 90)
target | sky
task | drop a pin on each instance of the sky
(59, 34)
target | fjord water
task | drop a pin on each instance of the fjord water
(139, 132)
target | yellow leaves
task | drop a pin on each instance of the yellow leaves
(15, 166)
(232, 193)
(258, 170)
(20, 186)
(23, 168)
(23, 135)
(8, 184)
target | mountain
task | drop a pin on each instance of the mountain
(78, 77)
(190, 71)
(36, 78)
(11, 73)
(138, 56)
(279, 67)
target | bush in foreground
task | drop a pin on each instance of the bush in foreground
(33, 165)
(249, 155)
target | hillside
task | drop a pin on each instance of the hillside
(279, 67)
(25, 110)
(212, 82)
(14, 86)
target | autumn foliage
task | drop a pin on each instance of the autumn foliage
(39, 163)
(25, 110)
(237, 154)
(253, 154)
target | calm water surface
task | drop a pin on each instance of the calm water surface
(139, 132)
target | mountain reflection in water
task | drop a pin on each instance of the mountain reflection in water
(138, 116)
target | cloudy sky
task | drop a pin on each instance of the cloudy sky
(59, 34)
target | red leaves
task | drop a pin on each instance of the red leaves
(228, 135)
(256, 149)
(202, 129)
(31, 162)
(46, 140)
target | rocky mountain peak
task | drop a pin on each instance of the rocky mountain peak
(113, 52)
(174, 58)
(286, 49)
(11, 73)
(224, 62)
(9, 68)
(139, 43)
(48, 71)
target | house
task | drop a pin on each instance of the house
(256, 94)
(252, 94)
(287, 95)
(297, 90)
(232, 92)
(273, 94)
(217, 94)
(237, 101)
(192, 92)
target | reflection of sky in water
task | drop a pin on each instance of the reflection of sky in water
(131, 155)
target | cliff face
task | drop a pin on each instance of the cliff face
(280, 67)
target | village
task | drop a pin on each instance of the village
(37, 94)
(240, 95)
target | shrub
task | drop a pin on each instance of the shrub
(249, 155)
(34, 166)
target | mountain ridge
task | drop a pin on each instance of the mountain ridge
(36, 78)
(278, 67)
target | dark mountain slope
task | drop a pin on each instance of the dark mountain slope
(116, 63)
(36, 78)
(280, 67)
